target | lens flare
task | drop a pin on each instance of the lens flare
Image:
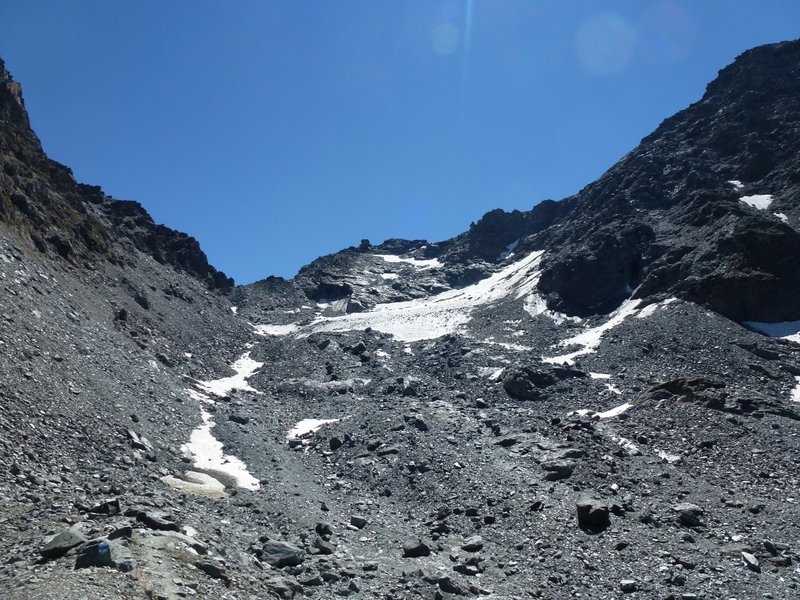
(445, 38)
(604, 44)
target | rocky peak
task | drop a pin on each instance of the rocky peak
(74, 222)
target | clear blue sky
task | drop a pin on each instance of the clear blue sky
(277, 131)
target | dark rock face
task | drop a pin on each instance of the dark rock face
(666, 218)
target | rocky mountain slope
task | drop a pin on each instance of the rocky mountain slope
(573, 401)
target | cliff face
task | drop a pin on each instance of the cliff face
(678, 215)
(75, 222)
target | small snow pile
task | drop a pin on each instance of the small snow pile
(612, 412)
(435, 316)
(782, 217)
(307, 427)
(509, 251)
(265, 330)
(591, 338)
(245, 367)
(417, 262)
(737, 185)
(788, 330)
(235, 309)
(759, 201)
(535, 305)
(796, 390)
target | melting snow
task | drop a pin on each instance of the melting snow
(306, 427)
(205, 449)
(435, 316)
(759, 201)
(208, 455)
(390, 276)
(782, 217)
(275, 329)
(245, 367)
(736, 184)
(788, 330)
(599, 375)
(419, 263)
(234, 309)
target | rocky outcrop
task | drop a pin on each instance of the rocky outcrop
(75, 222)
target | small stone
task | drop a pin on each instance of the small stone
(415, 548)
(62, 543)
(751, 562)
(592, 513)
(627, 586)
(282, 554)
(358, 521)
(472, 544)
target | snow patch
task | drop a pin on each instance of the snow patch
(737, 185)
(307, 427)
(390, 276)
(608, 414)
(421, 264)
(441, 314)
(245, 367)
(782, 217)
(591, 338)
(759, 201)
(509, 251)
(599, 375)
(796, 390)
(208, 455)
(234, 309)
(535, 305)
(275, 329)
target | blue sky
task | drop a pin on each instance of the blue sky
(277, 131)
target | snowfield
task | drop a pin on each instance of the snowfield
(448, 312)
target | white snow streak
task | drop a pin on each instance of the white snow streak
(612, 412)
(208, 455)
(207, 452)
(245, 367)
(736, 184)
(759, 201)
(535, 305)
(591, 338)
(782, 217)
(509, 251)
(417, 262)
(307, 426)
(275, 329)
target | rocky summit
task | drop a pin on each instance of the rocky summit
(595, 398)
